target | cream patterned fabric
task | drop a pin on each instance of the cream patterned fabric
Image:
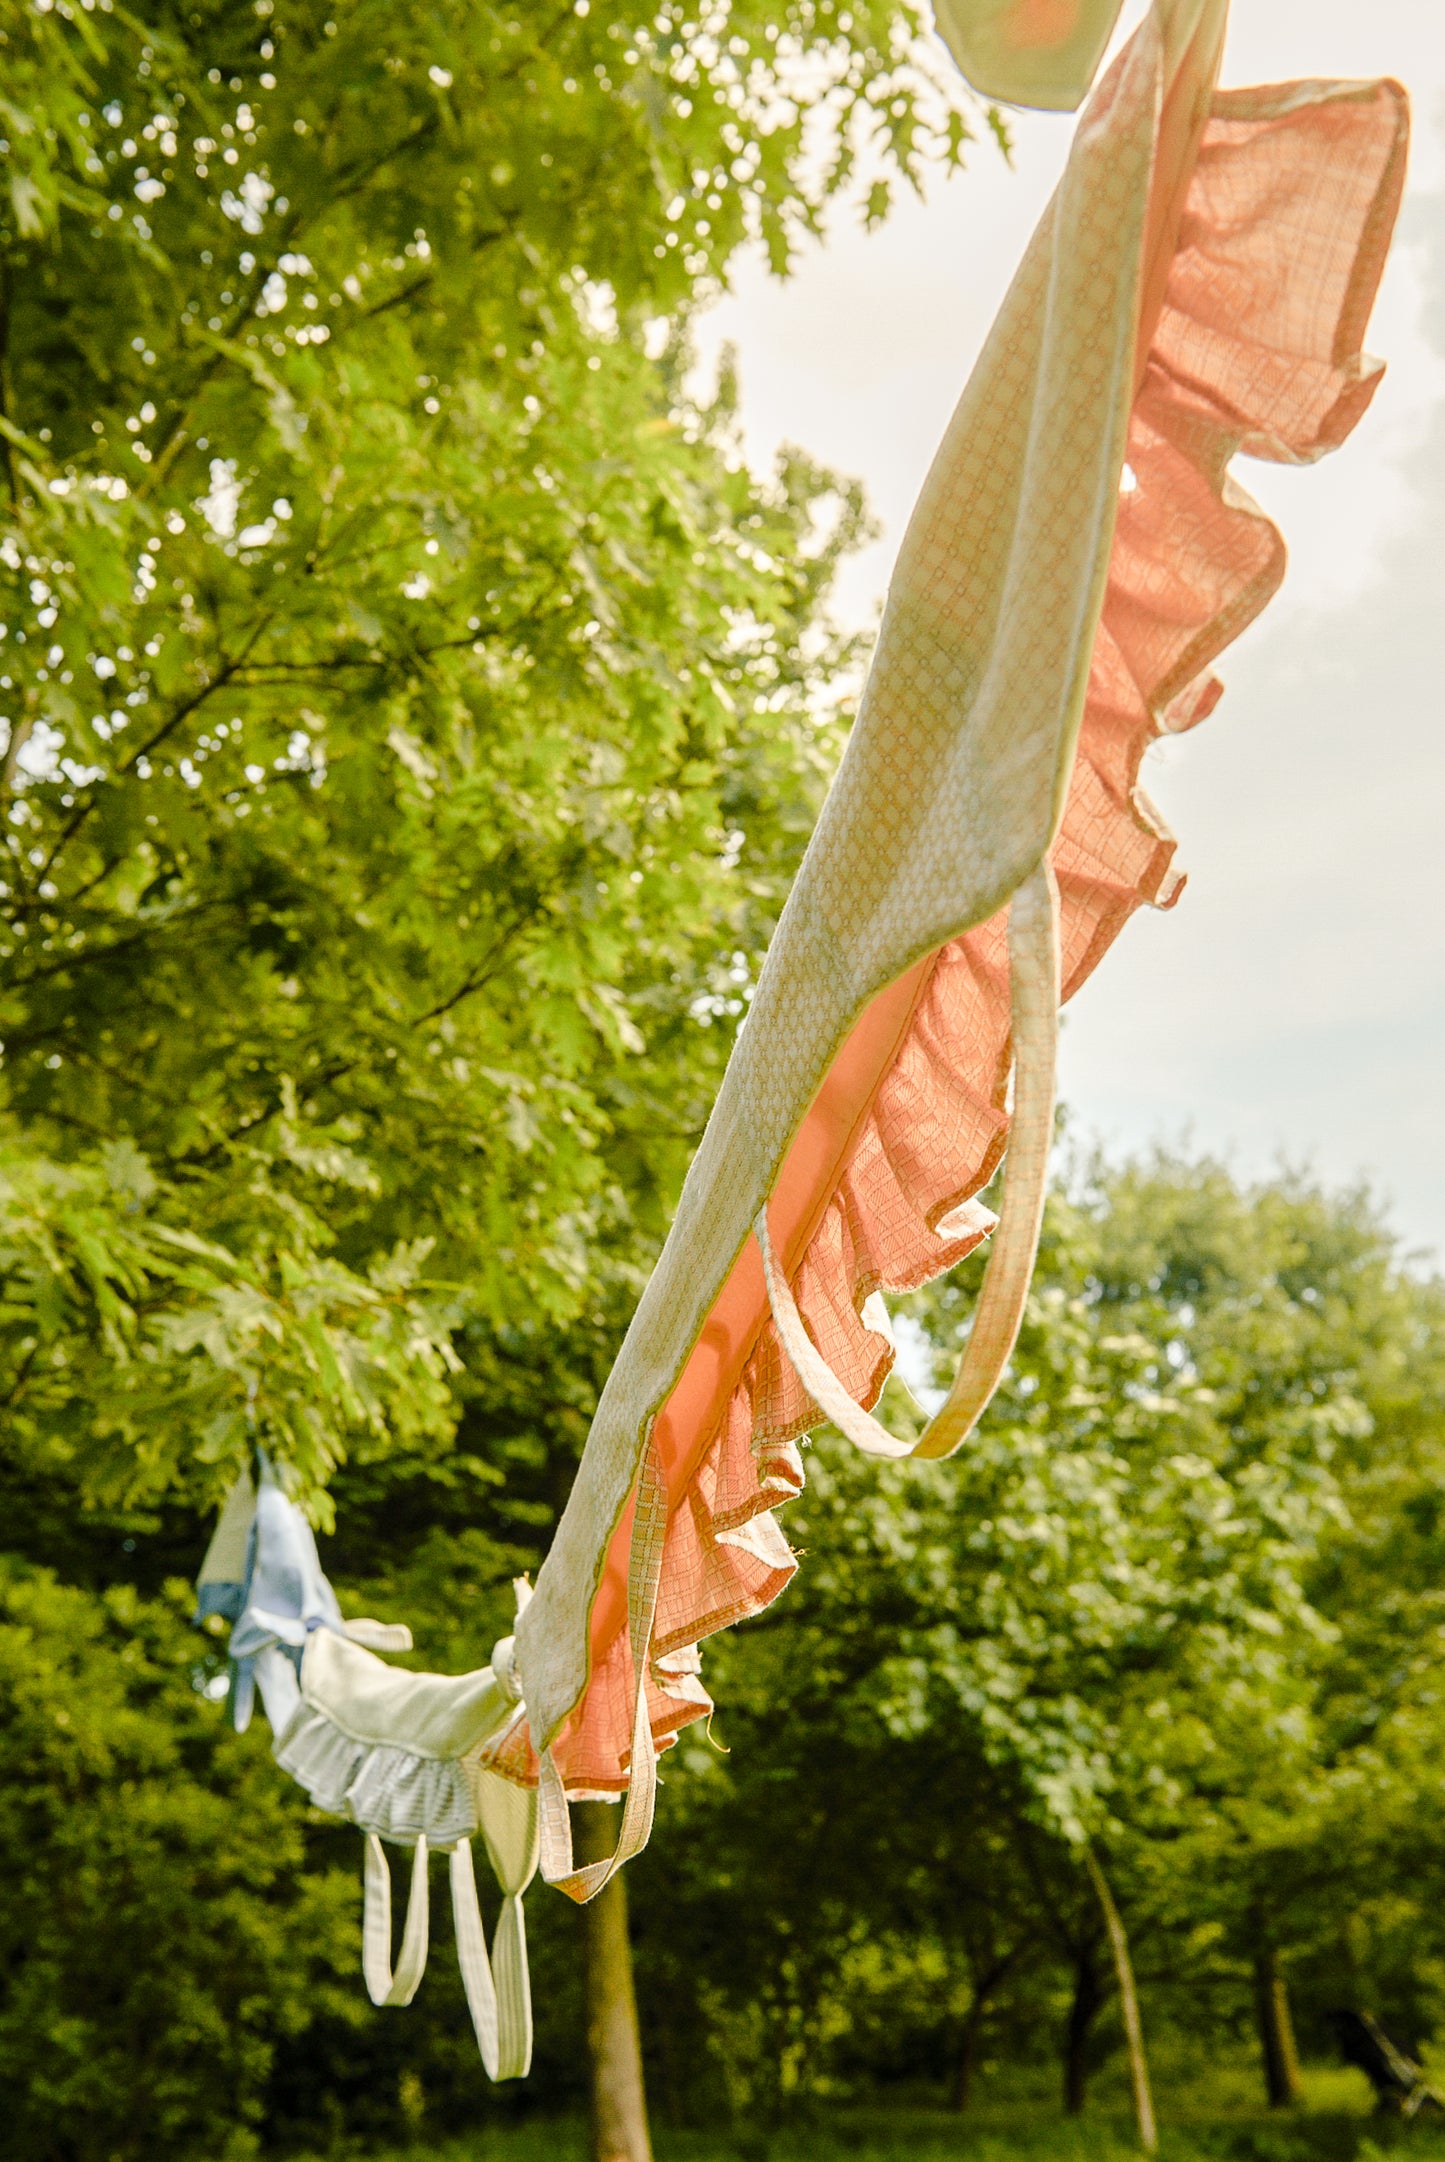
(400, 1753)
(1028, 52)
(387, 1748)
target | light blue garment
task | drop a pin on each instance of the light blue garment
(284, 1595)
(221, 1585)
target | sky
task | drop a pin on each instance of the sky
(1291, 1008)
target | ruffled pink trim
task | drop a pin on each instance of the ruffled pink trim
(1257, 348)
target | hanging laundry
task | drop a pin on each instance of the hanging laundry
(1043, 53)
(1079, 555)
(397, 1753)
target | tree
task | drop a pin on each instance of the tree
(617, 2095)
(130, 1819)
(1096, 1640)
(410, 726)
(1299, 1836)
(413, 710)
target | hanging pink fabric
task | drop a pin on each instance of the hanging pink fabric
(1079, 556)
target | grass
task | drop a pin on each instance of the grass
(1217, 2119)
(916, 2136)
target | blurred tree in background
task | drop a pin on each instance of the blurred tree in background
(413, 712)
(162, 1923)
(1176, 1600)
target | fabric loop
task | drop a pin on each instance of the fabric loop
(504, 1667)
(817, 1376)
(1033, 946)
(649, 1527)
(472, 1955)
(498, 1991)
(514, 1991)
(1034, 995)
(383, 1986)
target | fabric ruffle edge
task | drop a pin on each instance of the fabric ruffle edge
(385, 1790)
(1258, 349)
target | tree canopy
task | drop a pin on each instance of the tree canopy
(414, 706)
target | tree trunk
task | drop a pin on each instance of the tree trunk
(614, 2051)
(985, 1990)
(966, 2062)
(1128, 2006)
(1088, 1996)
(1276, 2030)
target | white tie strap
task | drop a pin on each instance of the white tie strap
(382, 1985)
(1034, 1007)
(498, 1989)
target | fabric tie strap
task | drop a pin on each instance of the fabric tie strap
(1033, 943)
(649, 1529)
(1033, 952)
(498, 1989)
(382, 1986)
